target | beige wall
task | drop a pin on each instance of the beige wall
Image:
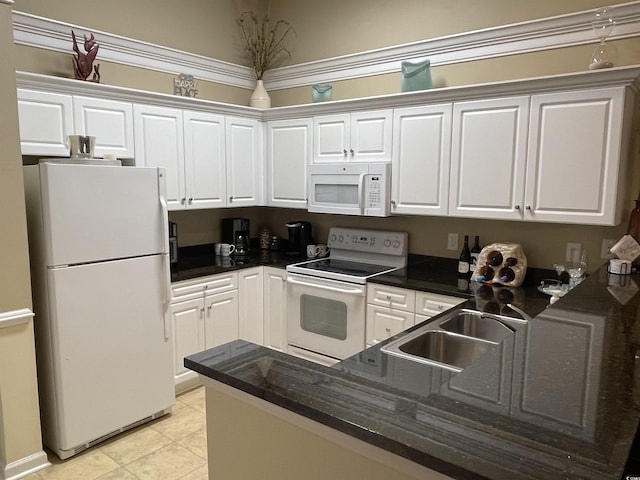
(19, 414)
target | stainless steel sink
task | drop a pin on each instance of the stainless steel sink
(473, 323)
(455, 341)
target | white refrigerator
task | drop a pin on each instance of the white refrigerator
(98, 245)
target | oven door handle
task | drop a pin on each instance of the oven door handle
(351, 291)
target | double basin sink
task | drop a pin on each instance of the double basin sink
(456, 340)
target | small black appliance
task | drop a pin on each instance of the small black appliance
(236, 232)
(300, 236)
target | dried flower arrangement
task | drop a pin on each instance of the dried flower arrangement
(262, 42)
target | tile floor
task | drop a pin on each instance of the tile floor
(173, 447)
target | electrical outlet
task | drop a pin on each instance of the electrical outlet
(606, 245)
(452, 241)
(573, 252)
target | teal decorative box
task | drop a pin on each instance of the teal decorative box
(321, 93)
(416, 76)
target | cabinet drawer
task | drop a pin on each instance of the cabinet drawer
(186, 289)
(391, 297)
(431, 304)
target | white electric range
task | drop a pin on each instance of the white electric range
(326, 298)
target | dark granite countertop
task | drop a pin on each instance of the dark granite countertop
(555, 400)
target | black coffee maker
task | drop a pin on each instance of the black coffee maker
(299, 237)
(236, 232)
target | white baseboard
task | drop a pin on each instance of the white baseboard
(25, 466)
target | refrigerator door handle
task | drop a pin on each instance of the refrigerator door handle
(165, 210)
(167, 295)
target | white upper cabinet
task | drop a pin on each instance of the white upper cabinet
(159, 142)
(205, 160)
(46, 119)
(289, 151)
(110, 121)
(575, 170)
(488, 158)
(421, 160)
(355, 137)
(244, 162)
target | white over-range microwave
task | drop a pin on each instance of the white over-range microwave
(350, 188)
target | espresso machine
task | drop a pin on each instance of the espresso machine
(299, 237)
(236, 232)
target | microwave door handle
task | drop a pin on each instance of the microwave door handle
(361, 191)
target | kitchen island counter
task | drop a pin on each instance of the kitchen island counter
(555, 400)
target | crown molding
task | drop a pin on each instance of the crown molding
(553, 32)
(49, 34)
(526, 37)
(7, 2)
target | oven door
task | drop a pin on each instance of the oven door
(325, 316)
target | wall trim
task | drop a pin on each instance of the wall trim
(525, 37)
(34, 31)
(7, 2)
(15, 317)
(26, 466)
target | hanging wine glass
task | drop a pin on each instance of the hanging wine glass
(603, 23)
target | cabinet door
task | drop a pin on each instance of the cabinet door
(204, 156)
(289, 151)
(275, 304)
(383, 323)
(573, 172)
(243, 162)
(488, 158)
(221, 318)
(371, 134)
(421, 160)
(46, 119)
(110, 121)
(251, 316)
(159, 143)
(188, 334)
(331, 138)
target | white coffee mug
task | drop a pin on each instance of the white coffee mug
(619, 266)
(322, 250)
(216, 248)
(312, 251)
(227, 249)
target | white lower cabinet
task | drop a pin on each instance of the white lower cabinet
(275, 308)
(204, 314)
(251, 316)
(390, 310)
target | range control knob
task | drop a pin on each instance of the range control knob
(387, 243)
(340, 238)
(396, 243)
(333, 237)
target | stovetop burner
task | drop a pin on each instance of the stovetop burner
(344, 267)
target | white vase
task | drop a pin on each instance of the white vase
(260, 98)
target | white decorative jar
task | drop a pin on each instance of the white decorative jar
(260, 98)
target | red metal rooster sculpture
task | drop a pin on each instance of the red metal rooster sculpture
(83, 62)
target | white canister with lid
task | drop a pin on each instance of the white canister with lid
(619, 266)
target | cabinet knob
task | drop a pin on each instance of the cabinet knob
(388, 330)
(231, 198)
(517, 207)
(202, 310)
(182, 200)
(352, 152)
(344, 152)
(527, 207)
(190, 200)
(209, 307)
(393, 203)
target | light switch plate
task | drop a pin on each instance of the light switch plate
(452, 241)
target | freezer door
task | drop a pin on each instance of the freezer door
(111, 350)
(92, 213)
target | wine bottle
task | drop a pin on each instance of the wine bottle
(464, 263)
(475, 252)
